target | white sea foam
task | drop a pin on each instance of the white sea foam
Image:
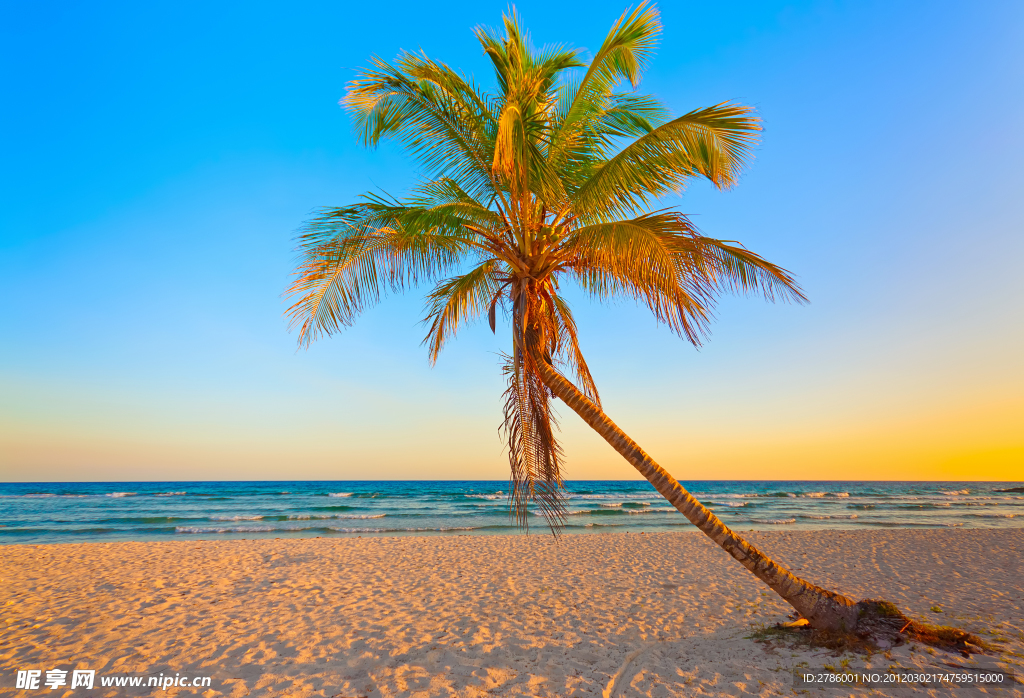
(729, 504)
(401, 530)
(170, 494)
(585, 512)
(718, 495)
(321, 517)
(37, 495)
(774, 521)
(610, 505)
(955, 492)
(225, 529)
(597, 496)
(485, 496)
(235, 518)
(121, 494)
(340, 494)
(828, 516)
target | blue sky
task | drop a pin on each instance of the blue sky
(158, 158)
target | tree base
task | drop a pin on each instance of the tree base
(880, 626)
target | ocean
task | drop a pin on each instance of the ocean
(139, 511)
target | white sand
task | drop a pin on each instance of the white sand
(595, 615)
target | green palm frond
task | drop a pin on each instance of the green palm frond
(628, 116)
(518, 70)
(349, 256)
(713, 142)
(443, 128)
(440, 205)
(458, 300)
(526, 81)
(624, 54)
(460, 88)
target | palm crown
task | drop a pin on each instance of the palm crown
(552, 177)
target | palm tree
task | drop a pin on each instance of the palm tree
(551, 179)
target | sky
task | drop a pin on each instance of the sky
(159, 157)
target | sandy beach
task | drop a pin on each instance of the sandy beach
(654, 615)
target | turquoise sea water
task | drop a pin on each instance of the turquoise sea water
(75, 512)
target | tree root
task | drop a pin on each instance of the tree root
(880, 626)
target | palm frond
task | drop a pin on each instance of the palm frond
(568, 347)
(458, 300)
(446, 129)
(645, 259)
(624, 54)
(738, 270)
(526, 81)
(534, 453)
(714, 142)
(440, 205)
(661, 260)
(349, 257)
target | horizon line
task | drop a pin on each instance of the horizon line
(100, 482)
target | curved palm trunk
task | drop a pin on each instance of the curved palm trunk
(822, 608)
